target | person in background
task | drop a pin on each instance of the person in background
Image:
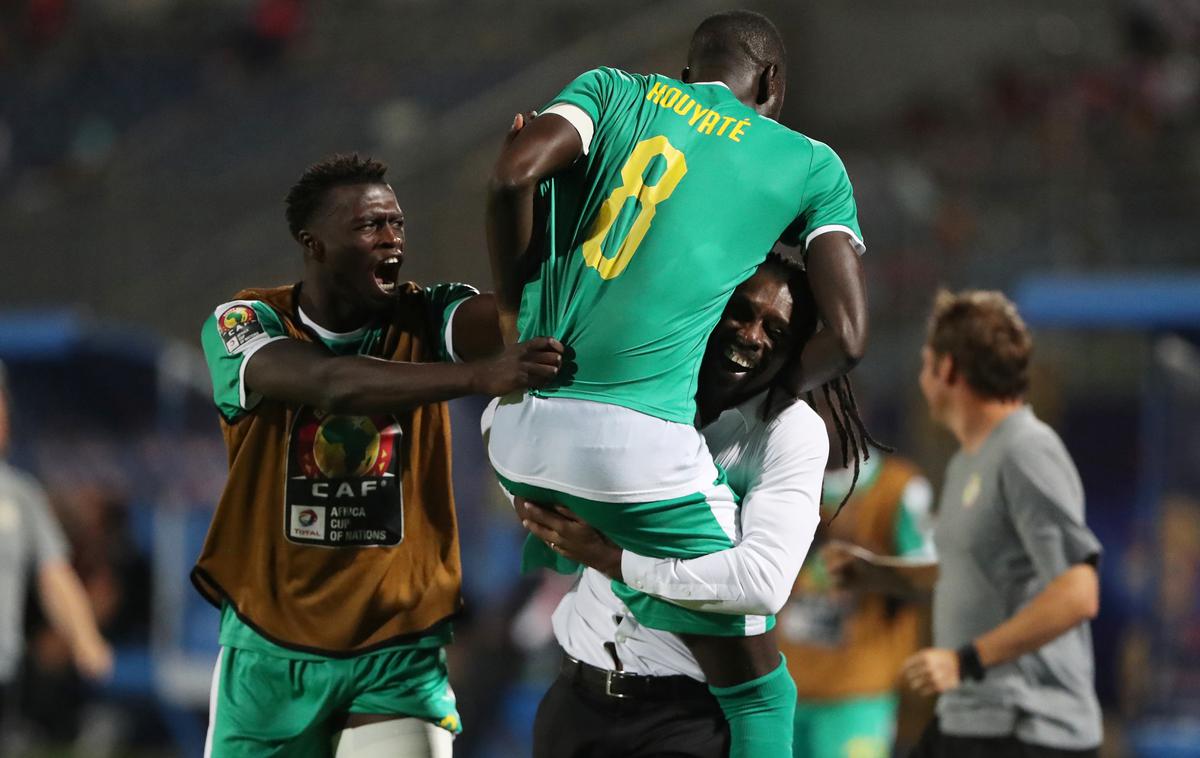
(32, 545)
(1012, 661)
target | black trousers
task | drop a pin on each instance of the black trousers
(936, 744)
(575, 723)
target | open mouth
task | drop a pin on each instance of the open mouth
(387, 274)
(737, 362)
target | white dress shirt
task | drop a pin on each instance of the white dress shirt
(777, 467)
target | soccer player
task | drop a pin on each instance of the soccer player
(845, 647)
(1016, 583)
(333, 553)
(660, 196)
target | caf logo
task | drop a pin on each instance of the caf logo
(344, 447)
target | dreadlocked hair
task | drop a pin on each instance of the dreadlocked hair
(856, 441)
(852, 432)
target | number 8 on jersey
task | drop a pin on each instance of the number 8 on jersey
(633, 187)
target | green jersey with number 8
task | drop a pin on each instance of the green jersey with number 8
(681, 192)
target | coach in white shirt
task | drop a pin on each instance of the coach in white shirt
(633, 691)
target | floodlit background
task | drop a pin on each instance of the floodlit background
(1050, 149)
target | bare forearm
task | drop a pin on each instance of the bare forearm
(1071, 599)
(356, 384)
(823, 359)
(367, 385)
(66, 604)
(509, 231)
(838, 284)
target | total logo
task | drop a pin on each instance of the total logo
(308, 521)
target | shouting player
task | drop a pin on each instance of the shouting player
(660, 196)
(333, 553)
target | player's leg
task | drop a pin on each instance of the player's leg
(760, 710)
(407, 737)
(862, 727)
(264, 706)
(402, 705)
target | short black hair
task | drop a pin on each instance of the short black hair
(336, 170)
(738, 34)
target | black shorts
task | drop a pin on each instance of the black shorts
(936, 744)
(577, 719)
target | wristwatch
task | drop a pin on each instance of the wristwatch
(969, 665)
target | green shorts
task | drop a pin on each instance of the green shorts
(860, 727)
(266, 705)
(683, 527)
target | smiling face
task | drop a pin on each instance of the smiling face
(753, 339)
(357, 238)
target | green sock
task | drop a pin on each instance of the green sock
(761, 714)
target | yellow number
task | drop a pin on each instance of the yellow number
(633, 184)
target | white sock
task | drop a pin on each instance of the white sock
(395, 738)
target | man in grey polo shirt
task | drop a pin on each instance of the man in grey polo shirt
(1016, 581)
(31, 542)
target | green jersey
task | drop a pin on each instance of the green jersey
(681, 193)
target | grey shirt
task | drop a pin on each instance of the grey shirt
(1010, 520)
(30, 537)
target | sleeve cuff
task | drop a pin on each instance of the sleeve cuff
(247, 402)
(576, 117)
(859, 246)
(635, 569)
(448, 335)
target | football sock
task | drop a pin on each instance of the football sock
(761, 714)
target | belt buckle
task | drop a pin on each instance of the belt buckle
(608, 678)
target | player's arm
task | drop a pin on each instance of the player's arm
(302, 373)
(835, 274)
(780, 515)
(911, 571)
(475, 329)
(827, 229)
(251, 357)
(532, 152)
(856, 568)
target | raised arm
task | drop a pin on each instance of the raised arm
(835, 274)
(532, 152)
(475, 329)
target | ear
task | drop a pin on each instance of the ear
(312, 246)
(946, 370)
(685, 76)
(768, 94)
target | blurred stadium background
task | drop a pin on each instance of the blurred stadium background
(1050, 149)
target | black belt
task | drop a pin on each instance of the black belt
(622, 686)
